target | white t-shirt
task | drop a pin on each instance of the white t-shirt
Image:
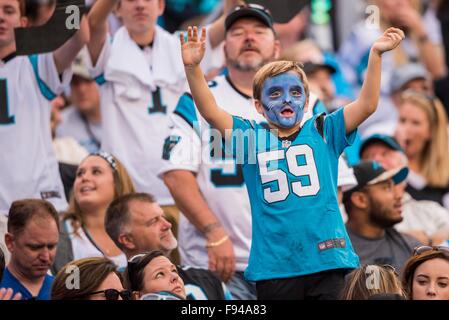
(83, 247)
(221, 181)
(28, 167)
(428, 216)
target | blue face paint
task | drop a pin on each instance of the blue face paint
(284, 99)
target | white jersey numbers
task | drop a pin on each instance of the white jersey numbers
(271, 171)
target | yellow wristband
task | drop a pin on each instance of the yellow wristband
(217, 243)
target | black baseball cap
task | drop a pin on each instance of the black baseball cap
(371, 172)
(389, 141)
(249, 10)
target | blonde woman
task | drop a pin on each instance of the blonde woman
(100, 179)
(423, 134)
(371, 280)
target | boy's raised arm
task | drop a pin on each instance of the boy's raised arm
(366, 103)
(192, 53)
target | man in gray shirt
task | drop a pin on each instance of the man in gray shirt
(373, 208)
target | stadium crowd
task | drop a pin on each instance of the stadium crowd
(151, 159)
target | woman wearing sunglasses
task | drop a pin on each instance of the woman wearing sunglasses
(426, 274)
(89, 279)
(154, 273)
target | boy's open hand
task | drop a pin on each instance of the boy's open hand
(193, 50)
(389, 40)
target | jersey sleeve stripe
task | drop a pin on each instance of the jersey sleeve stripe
(45, 90)
(186, 110)
(100, 80)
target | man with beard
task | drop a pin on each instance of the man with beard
(374, 206)
(215, 229)
(33, 233)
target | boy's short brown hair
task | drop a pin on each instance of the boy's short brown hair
(275, 68)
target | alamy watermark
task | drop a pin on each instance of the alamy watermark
(73, 20)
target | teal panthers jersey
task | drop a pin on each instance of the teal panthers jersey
(292, 185)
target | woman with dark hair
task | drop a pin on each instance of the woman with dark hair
(154, 273)
(98, 279)
(426, 274)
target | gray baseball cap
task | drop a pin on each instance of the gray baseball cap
(406, 73)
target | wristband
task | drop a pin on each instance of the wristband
(217, 243)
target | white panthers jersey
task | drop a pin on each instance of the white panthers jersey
(28, 166)
(139, 90)
(189, 147)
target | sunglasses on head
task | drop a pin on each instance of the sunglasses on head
(113, 294)
(422, 249)
(387, 267)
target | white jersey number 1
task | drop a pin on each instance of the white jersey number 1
(5, 117)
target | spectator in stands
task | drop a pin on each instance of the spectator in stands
(33, 233)
(136, 224)
(373, 208)
(410, 76)
(425, 220)
(82, 120)
(97, 279)
(421, 44)
(422, 132)
(153, 272)
(140, 92)
(368, 280)
(68, 151)
(100, 179)
(29, 168)
(426, 274)
(214, 200)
